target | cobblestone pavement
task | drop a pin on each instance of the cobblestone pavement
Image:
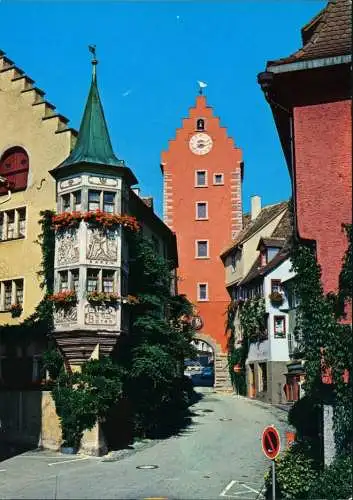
(218, 456)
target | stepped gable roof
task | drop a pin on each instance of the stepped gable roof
(265, 216)
(328, 34)
(93, 143)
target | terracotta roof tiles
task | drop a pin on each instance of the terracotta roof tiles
(329, 34)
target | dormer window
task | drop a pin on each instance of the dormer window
(263, 257)
(200, 124)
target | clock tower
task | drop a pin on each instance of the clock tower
(202, 171)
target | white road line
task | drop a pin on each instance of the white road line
(227, 488)
(67, 461)
(2, 470)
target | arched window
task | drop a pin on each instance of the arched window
(14, 165)
(200, 124)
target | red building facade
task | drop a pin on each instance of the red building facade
(202, 171)
(310, 96)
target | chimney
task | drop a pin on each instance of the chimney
(255, 206)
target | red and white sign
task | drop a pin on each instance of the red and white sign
(271, 442)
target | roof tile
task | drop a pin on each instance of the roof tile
(330, 34)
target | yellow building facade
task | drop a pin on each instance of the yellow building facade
(28, 123)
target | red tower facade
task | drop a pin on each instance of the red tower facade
(202, 171)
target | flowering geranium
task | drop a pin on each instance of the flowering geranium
(66, 297)
(276, 297)
(16, 310)
(96, 218)
(102, 298)
(66, 219)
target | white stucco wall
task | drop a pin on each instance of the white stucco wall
(278, 347)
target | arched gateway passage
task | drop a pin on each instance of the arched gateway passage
(201, 370)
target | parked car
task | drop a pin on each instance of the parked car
(192, 368)
(207, 372)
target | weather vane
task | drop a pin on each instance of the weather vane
(202, 85)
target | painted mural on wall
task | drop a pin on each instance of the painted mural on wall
(100, 315)
(65, 315)
(102, 247)
(67, 248)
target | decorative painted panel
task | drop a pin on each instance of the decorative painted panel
(102, 181)
(65, 315)
(100, 315)
(68, 183)
(67, 250)
(102, 246)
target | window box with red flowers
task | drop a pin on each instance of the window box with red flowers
(66, 220)
(276, 298)
(102, 298)
(16, 310)
(98, 218)
(64, 299)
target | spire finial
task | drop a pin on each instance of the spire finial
(92, 49)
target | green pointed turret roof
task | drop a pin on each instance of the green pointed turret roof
(93, 142)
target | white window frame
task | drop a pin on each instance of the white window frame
(197, 203)
(198, 285)
(101, 198)
(100, 279)
(70, 278)
(196, 249)
(13, 292)
(71, 194)
(206, 179)
(16, 232)
(218, 183)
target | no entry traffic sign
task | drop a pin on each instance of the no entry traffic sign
(271, 442)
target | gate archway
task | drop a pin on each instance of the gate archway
(201, 370)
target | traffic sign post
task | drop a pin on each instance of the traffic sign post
(271, 445)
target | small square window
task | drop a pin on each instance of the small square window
(11, 225)
(108, 202)
(92, 280)
(201, 210)
(21, 222)
(218, 179)
(93, 200)
(108, 281)
(279, 326)
(202, 249)
(276, 286)
(8, 295)
(64, 281)
(77, 200)
(66, 203)
(202, 291)
(200, 178)
(75, 276)
(19, 291)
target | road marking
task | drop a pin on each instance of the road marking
(2, 470)
(227, 488)
(68, 461)
(237, 494)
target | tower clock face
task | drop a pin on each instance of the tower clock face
(200, 144)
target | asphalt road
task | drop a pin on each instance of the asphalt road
(219, 455)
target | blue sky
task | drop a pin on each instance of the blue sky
(151, 55)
